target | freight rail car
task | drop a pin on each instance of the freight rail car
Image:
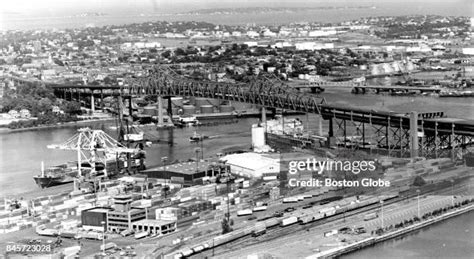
(262, 226)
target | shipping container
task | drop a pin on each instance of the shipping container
(108, 246)
(126, 232)
(259, 229)
(187, 252)
(141, 235)
(306, 219)
(370, 216)
(198, 249)
(260, 208)
(329, 211)
(290, 200)
(244, 212)
(288, 221)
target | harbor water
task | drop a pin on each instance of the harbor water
(22, 152)
(453, 238)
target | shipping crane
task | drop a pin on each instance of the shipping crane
(94, 149)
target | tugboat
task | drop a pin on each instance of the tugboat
(186, 121)
(197, 137)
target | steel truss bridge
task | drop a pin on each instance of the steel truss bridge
(355, 128)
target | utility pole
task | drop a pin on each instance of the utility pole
(418, 191)
(452, 192)
(103, 237)
(381, 202)
(197, 150)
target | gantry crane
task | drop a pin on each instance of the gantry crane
(94, 147)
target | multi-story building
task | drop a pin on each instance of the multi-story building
(122, 217)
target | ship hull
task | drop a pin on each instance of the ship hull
(45, 182)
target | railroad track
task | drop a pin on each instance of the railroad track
(276, 232)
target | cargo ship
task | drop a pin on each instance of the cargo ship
(98, 154)
(457, 94)
(67, 173)
(56, 175)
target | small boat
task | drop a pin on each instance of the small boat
(135, 134)
(186, 121)
(197, 137)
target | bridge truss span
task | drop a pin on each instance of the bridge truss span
(348, 126)
(260, 91)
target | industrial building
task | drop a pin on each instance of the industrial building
(154, 226)
(187, 172)
(167, 213)
(122, 217)
(92, 219)
(253, 165)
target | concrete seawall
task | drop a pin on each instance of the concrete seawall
(338, 251)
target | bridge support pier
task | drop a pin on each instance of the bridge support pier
(102, 100)
(320, 126)
(92, 103)
(170, 107)
(414, 134)
(264, 115)
(331, 140)
(160, 111)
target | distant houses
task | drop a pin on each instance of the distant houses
(23, 114)
(56, 110)
(14, 114)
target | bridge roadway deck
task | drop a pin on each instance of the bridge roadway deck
(398, 88)
(305, 104)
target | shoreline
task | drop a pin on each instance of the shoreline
(55, 126)
(336, 252)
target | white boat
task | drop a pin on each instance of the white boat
(133, 137)
(135, 134)
(184, 121)
(197, 137)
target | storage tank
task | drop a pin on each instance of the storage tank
(227, 108)
(150, 110)
(189, 109)
(207, 109)
(258, 137)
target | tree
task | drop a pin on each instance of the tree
(73, 108)
(166, 54)
(419, 181)
(44, 104)
(180, 52)
(226, 228)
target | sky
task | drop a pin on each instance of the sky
(58, 7)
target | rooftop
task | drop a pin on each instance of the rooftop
(250, 160)
(154, 221)
(99, 210)
(184, 168)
